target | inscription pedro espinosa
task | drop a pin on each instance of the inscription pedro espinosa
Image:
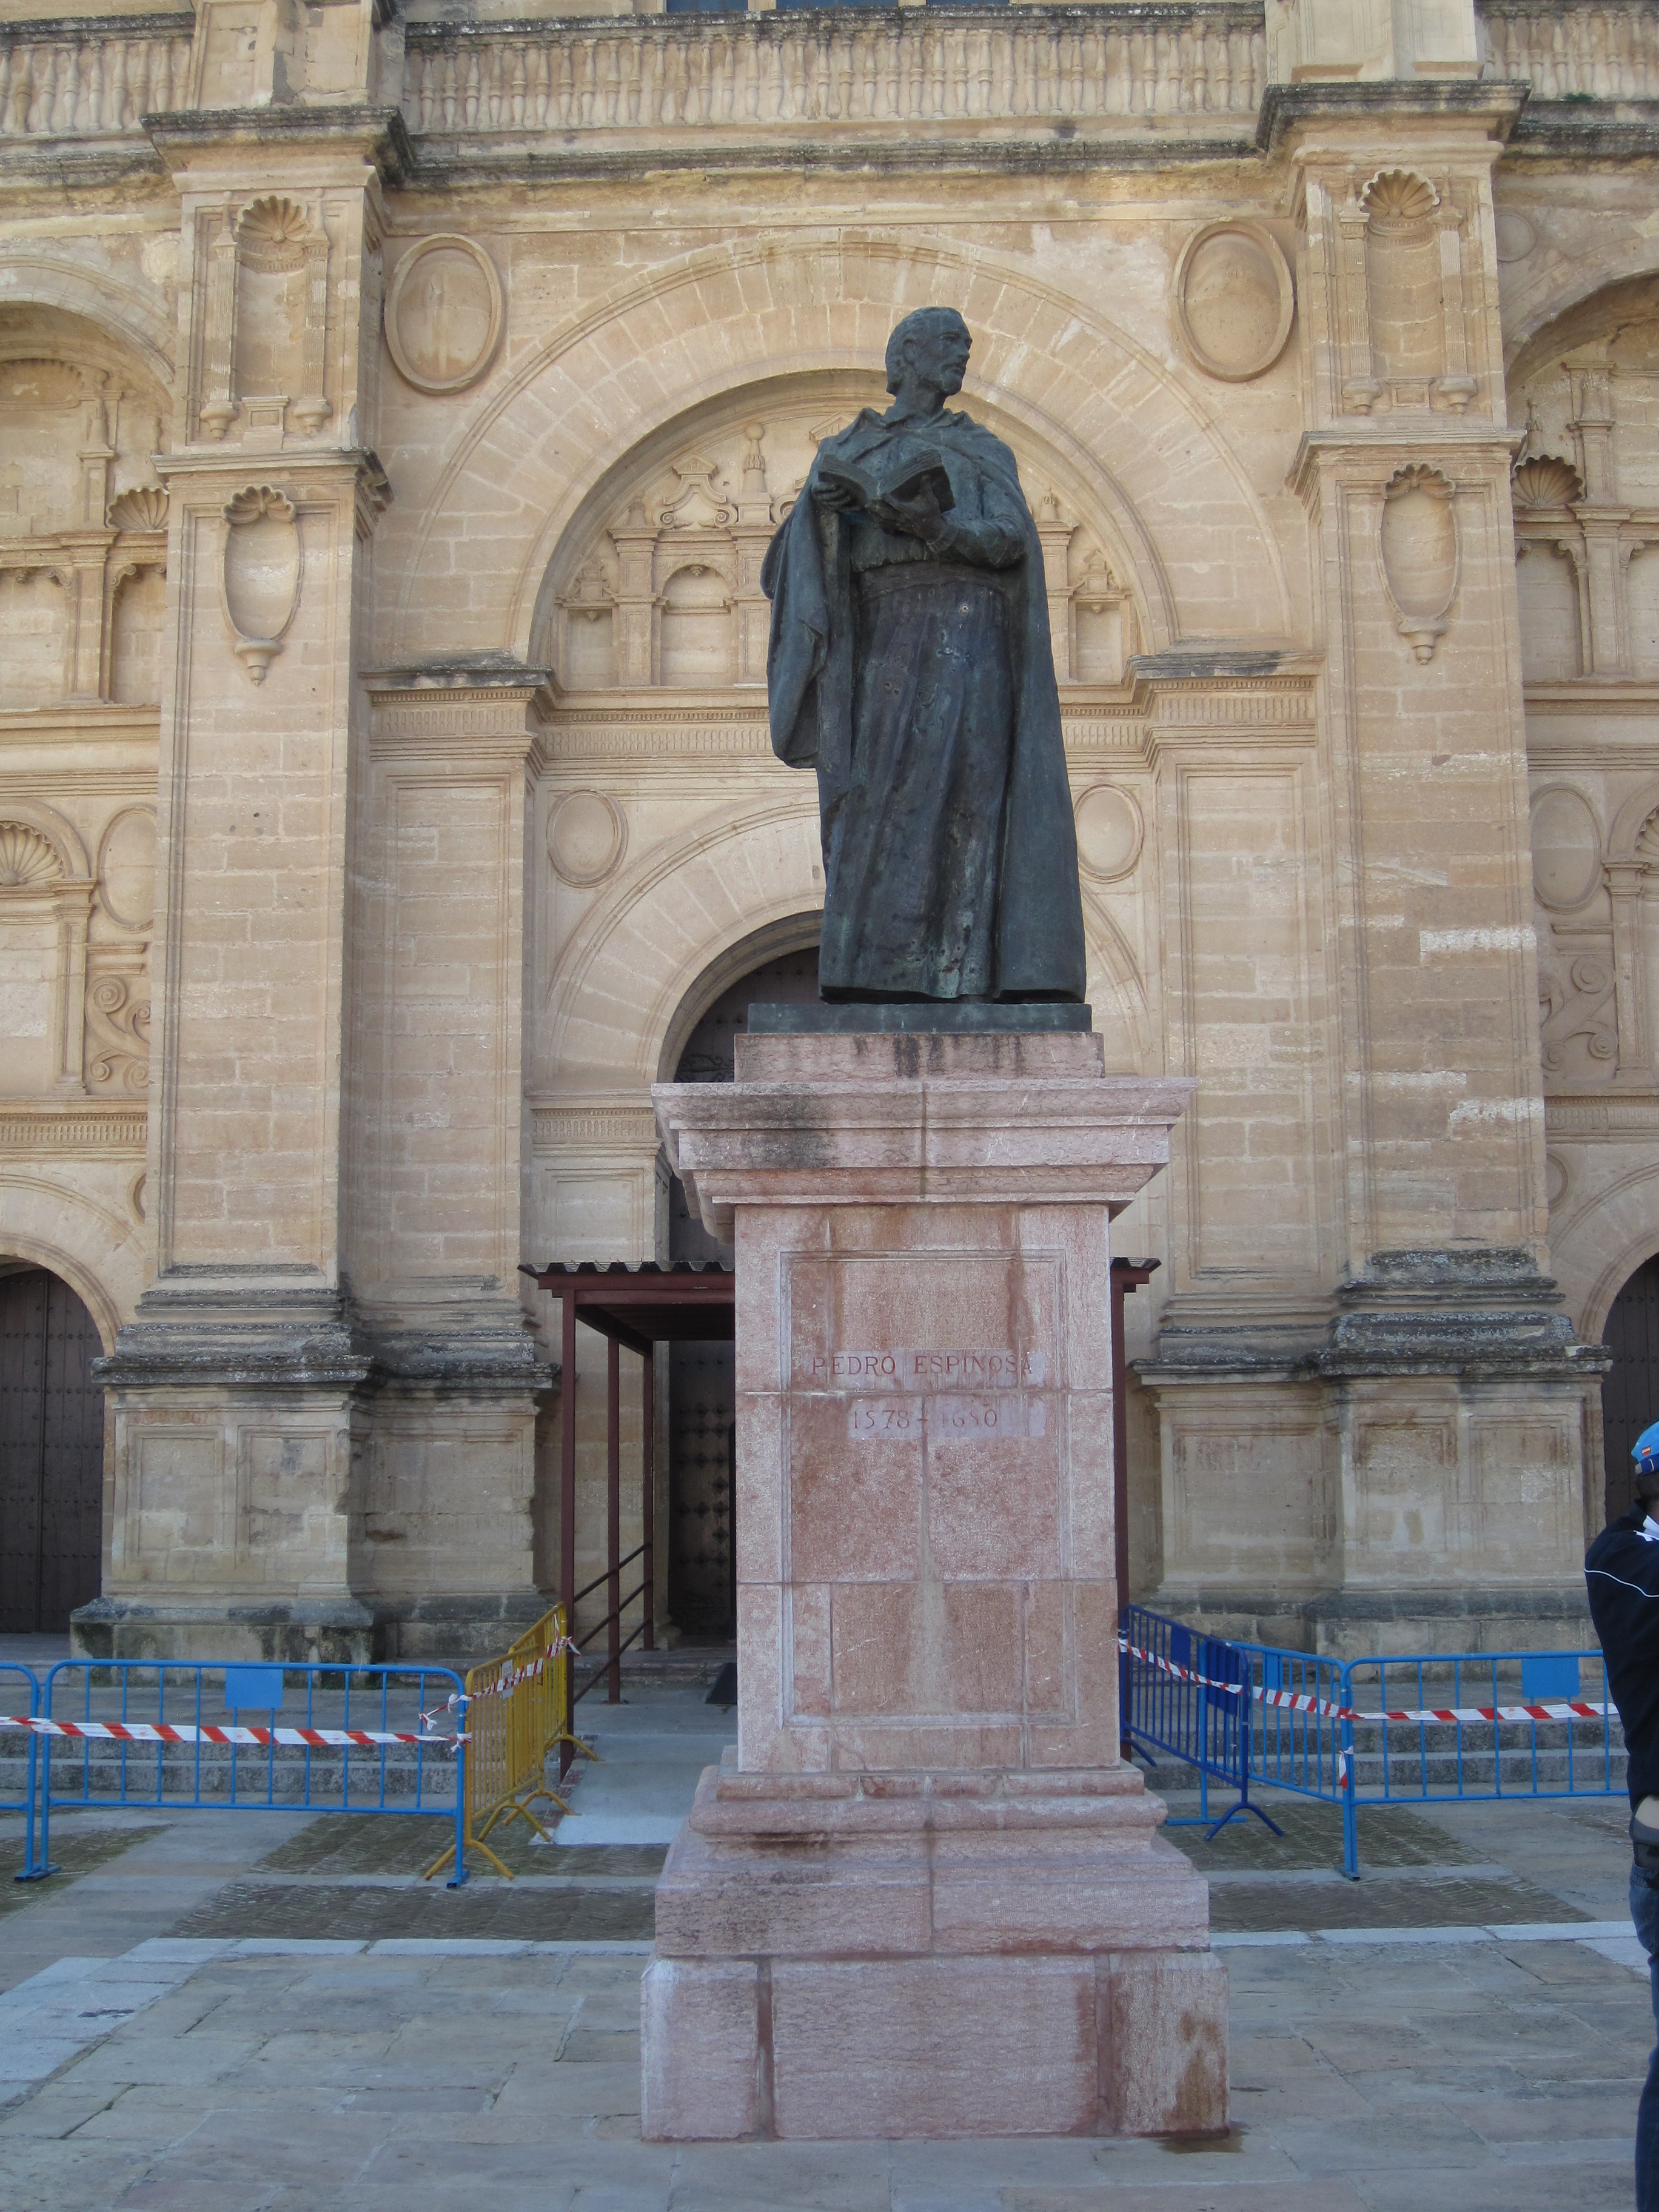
(942, 1395)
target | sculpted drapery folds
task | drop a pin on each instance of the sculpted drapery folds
(910, 665)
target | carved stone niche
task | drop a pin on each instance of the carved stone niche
(265, 319)
(1402, 311)
(663, 586)
(260, 574)
(1419, 554)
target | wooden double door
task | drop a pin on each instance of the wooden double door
(52, 1453)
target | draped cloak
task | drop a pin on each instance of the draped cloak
(825, 703)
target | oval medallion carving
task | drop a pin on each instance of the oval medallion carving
(1233, 299)
(443, 314)
(585, 837)
(1420, 555)
(126, 869)
(1566, 847)
(1110, 832)
(261, 574)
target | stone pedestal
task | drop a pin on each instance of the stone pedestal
(926, 1897)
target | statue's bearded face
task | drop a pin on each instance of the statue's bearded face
(938, 353)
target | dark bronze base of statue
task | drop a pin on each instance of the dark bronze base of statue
(920, 1015)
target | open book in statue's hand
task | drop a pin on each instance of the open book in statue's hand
(900, 471)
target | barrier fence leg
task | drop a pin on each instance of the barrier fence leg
(31, 1871)
(43, 1865)
(460, 1802)
(1349, 1805)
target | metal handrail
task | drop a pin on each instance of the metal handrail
(588, 1589)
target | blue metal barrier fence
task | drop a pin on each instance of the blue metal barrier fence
(1430, 1728)
(19, 1692)
(297, 1756)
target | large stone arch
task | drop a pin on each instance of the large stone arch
(75, 1235)
(1603, 1240)
(662, 345)
(132, 317)
(621, 981)
(698, 911)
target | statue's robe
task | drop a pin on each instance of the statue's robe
(919, 681)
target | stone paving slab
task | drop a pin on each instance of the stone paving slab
(287, 2077)
(482, 1908)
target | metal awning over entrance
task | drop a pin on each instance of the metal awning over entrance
(634, 1309)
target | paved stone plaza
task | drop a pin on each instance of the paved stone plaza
(255, 2012)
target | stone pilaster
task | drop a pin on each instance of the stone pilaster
(279, 1438)
(1397, 1433)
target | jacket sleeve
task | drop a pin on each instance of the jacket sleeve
(1631, 1568)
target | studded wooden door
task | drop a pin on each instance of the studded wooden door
(52, 1453)
(1629, 1395)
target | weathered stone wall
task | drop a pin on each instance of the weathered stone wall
(393, 415)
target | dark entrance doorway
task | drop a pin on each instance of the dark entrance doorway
(1629, 1391)
(702, 1400)
(52, 1453)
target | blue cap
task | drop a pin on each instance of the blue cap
(1646, 1454)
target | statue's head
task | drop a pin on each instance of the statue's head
(932, 345)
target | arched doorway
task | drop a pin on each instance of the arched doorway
(1629, 1392)
(52, 1453)
(702, 1400)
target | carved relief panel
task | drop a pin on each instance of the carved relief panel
(1586, 487)
(75, 948)
(666, 590)
(82, 524)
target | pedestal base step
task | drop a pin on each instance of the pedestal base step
(1119, 2043)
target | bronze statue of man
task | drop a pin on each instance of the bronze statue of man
(910, 665)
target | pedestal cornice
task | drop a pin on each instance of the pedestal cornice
(896, 1120)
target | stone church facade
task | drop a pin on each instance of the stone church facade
(395, 408)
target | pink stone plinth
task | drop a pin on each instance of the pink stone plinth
(925, 1896)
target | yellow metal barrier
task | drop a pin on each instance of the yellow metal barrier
(517, 1711)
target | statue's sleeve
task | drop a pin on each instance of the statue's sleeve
(988, 524)
(809, 654)
(792, 578)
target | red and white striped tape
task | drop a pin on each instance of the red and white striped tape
(528, 1672)
(184, 1732)
(1563, 1709)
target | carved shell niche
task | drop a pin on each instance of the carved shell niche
(1545, 481)
(1397, 200)
(273, 233)
(26, 858)
(1420, 553)
(145, 507)
(261, 574)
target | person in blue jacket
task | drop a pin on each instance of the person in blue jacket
(1621, 1575)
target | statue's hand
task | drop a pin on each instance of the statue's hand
(919, 516)
(838, 496)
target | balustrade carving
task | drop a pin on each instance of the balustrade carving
(69, 87)
(761, 72)
(1595, 52)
